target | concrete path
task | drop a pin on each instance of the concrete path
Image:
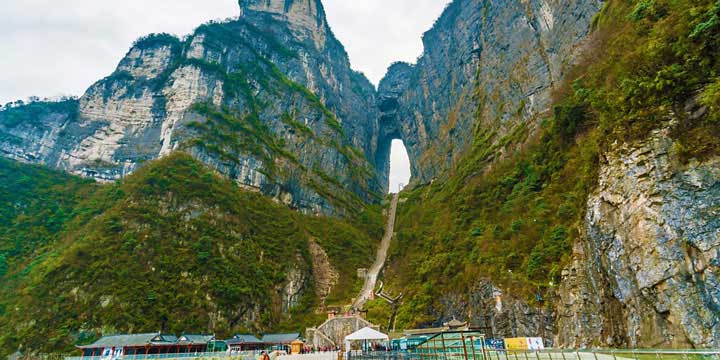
(374, 271)
(316, 356)
(551, 355)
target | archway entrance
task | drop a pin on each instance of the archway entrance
(399, 166)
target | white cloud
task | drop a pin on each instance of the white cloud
(55, 48)
(377, 33)
(51, 48)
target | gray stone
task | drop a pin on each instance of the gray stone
(649, 245)
(488, 68)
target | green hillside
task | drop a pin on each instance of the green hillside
(514, 220)
(35, 204)
(173, 247)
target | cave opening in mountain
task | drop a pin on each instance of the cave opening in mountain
(399, 166)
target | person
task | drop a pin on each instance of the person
(264, 356)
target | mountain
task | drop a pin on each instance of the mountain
(268, 100)
(567, 161)
(488, 71)
(565, 179)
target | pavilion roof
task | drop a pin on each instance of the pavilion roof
(195, 339)
(243, 339)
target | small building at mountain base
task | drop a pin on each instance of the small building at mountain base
(194, 343)
(245, 342)
(280, 341)
(116, 346)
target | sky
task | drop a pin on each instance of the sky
(399, 166)
(52, 48)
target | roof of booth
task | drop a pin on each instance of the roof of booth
(367, 333)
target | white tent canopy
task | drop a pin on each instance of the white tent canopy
(364, 334)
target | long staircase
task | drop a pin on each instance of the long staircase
(374, 271)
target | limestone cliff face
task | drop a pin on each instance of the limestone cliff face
(269, 100)
(305, 17)
(646, 272)
(498, 314)
(487, 72)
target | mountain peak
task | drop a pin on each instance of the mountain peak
(308, 14)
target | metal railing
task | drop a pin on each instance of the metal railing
(604, 354)
(489, 354)
(203, 355)
(549, 354)
(382, 355)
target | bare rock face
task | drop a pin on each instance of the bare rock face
(294, 288)
(646, 272)
(499, 314)
(305, 17)
(325, 277)
(487, 71)
(268, 100)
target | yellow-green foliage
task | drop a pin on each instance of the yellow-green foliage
(654, 63)
(379, 312)
(171, 247)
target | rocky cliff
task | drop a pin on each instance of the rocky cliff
(269, 100)
(645, 273)
(488, 71)
(551, 147)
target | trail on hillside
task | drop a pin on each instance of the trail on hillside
(374, 271)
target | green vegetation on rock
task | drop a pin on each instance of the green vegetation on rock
(31, 112)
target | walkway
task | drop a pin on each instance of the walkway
(556, 355)
(372, 275)
(332, 355)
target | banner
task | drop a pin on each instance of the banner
(524, 344)
(516, 344)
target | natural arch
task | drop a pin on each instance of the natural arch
(396, 125)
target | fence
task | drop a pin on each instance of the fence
(550, 354)
(382, 355)
(487, 354)
(206, 355)
(605, 354)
